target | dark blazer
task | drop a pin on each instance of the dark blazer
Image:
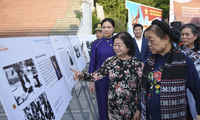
(145, 52)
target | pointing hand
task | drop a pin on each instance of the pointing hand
(77, 74)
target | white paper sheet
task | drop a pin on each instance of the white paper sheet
(31, 84)
(78, 53)
(65, 55)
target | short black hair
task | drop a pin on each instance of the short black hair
(128, 41)
(137, 25)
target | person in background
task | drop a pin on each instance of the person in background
(191, 47)
(166, 75)
(177, 35)
(142, 49)
(191, 43)
(125, 73)
(98, 31)
(101, 50)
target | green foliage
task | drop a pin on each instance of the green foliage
(151, 3)
(119, 24)
(79, 15)
(116, 10)
(94, 20)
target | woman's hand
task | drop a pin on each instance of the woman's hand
(92, 88)
(137, 115)
(197, 117)
(77, 74)
(142, 64)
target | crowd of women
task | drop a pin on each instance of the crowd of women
(158, 90)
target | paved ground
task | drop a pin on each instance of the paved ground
(85, 106)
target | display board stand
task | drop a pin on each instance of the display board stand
(91, 98)
(89, 105)
(78, 102)
(70, 113)
(42, 59)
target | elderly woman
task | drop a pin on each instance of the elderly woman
(166, 75)
(124, 72)
(191, 44)
(191, 47)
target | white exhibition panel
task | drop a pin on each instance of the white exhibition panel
(32, 84)
(65, 56)
(78, 53)
(87, 44)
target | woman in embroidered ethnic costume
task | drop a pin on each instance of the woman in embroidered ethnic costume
(125, 73)
(191, 47)
(166, 75)
(101, 50)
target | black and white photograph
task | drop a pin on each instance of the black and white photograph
(23, 79)
(70, 59)
(56, 67)
(39, 109)
(88, 44)
(77, 52)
